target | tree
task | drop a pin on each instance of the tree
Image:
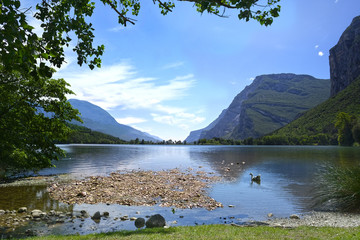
(356, 131)
(33, 113)
(344, 124)
(33, 106)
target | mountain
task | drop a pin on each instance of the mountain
(345, 58)
(345, 91)
(195, 135)
(267, 104)
(97, 119)
(321, 119)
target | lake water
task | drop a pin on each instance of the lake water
(287, 174)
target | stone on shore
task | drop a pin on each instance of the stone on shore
(36, 213)
(22, 210)
(294, 216)
(140, 222)
(155, 221)
(96, 216)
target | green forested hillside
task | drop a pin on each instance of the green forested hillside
(84, 135)
(318, 124)
(276, 101)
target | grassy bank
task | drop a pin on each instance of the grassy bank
(225, 232)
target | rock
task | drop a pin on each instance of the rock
(140, 222)
(231, 206)
(133, 218)
(51, 212)
(270, 215)
(60, 220)
(294, 216)
(137, 212)
(155, 221)
(345, 57)
(106, 214)
(82, 194)
(22, 210)
(84, 214)
(96, 216)
(124, 218)
(2, 212)
(36, 213)
(58, 213)
(30, 232)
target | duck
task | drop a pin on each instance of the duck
(256, 179)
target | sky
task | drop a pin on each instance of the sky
(169, 75)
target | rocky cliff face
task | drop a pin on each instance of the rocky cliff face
(196, 135)
(345, 58)
(269, 103)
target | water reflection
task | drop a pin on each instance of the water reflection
(287, 179)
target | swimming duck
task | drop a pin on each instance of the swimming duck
(256, 179)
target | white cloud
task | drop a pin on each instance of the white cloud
(180, 119)
(252, 79)
(316, 46)
(130, 120)
(321, 53)
(119, 86)
(173, 65)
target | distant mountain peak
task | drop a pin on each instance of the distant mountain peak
(97, 119)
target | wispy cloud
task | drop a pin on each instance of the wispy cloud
(336, 1)
(130, 120)
(120, 86)
(173, 65)
(316, 46)
(180, 119)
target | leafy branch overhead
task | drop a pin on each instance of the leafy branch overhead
(59, 18)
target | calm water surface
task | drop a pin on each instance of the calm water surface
(287, 174)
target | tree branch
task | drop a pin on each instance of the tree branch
(163, 5)
(126, 19)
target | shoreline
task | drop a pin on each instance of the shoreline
(309, 219)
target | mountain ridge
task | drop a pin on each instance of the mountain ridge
(270, 102)
(97, 119)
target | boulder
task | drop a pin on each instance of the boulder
(155, 221)
(96, 216)
(140, 222)
(22, 210)
(36, 213)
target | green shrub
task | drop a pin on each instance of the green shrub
(339, 187)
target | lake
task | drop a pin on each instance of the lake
(287, 174)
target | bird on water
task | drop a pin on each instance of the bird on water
(256, 179)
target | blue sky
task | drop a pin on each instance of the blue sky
(169, 75)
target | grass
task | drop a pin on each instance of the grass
(339, 186)
(224, 232)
